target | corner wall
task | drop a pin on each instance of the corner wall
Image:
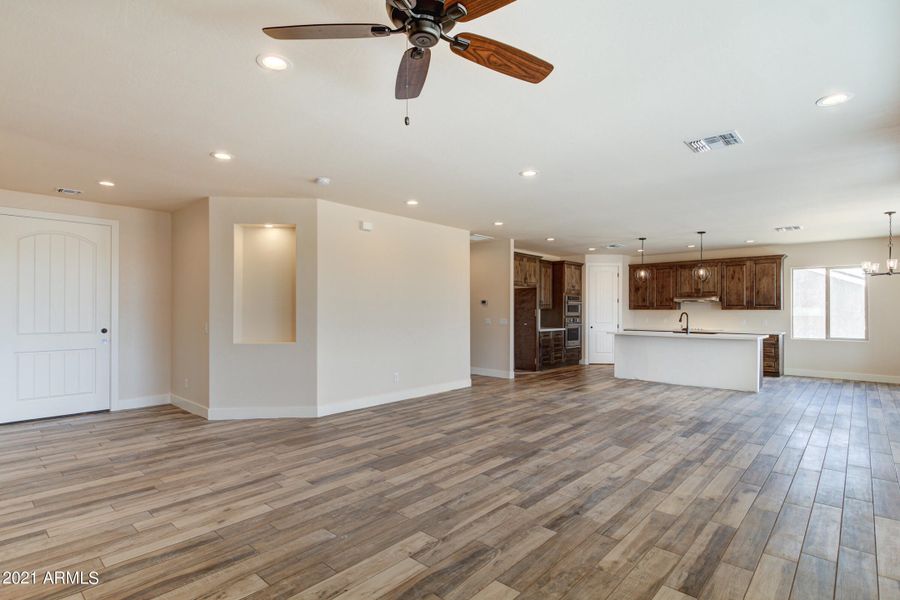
(393, 310)
(491, 332)
(190, 304)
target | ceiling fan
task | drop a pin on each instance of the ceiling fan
(425, 23)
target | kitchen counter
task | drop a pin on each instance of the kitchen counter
(718, 331)
(731, 361)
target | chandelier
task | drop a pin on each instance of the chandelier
(643, 273)
(874, 269)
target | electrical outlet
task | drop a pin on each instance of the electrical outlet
(396, 377)
(187, 383)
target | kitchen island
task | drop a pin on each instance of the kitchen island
(703, 359)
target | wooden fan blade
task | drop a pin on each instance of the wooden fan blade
(412, 73)
(478, 8)
(502, 58)
(337, 31)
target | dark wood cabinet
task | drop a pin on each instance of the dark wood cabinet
(546, 285)
(663, 279)
(573, 273)
(526, 270)
(773, 355)
(746, 283)
(553, 348)
(640, 293)
(737, 284)
(767, 281)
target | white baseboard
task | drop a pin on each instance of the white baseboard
(190, 406)
(493, 373)
(262, 412)
(142, 402)
(869, 377)
(399, 396)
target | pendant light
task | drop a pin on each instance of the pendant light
(642, 275)
(701, 272)
(873, 269)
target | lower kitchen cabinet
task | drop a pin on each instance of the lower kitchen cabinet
(552, 348)
(773, 355)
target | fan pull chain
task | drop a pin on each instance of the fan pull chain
(406, 119)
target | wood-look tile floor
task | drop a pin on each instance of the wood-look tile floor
(568, 485)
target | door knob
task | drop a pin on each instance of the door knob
(104, 330)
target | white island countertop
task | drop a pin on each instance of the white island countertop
(694, 335)
(731, 361)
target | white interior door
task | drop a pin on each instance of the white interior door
(603, 312)
(54, 318)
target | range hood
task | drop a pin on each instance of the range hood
(706, 299)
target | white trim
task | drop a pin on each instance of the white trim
(870, 377)
(493, 373)
(113, 225)
(190, 406)
(391, 397)
(143, 402)
(262, 412)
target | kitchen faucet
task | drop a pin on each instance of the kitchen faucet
(687, 322)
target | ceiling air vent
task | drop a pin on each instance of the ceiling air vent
(615, 246)
(785, 228)
(477, 237)
(730, 138)
(68, 191)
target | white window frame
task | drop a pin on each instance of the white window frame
(828, 337)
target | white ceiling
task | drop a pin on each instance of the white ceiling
(141, 91)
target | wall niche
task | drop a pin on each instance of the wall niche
(265, 284)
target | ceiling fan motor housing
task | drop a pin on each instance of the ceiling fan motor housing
(424, 31)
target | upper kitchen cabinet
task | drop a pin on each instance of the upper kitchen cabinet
(746, 283)
(572, 278)
(737, 284)
(546, 286)
(526, 270)
(688, 286)
(640, 293)
(768, 273)
(663, 279)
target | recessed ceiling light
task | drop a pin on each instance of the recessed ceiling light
(412, 202)
(592, 249)
(751, 241)
(106, 183)
(221, 155)
(692, 245)
(498, 223)
(273, 62)
(529, 173)
(268, 226)
(834, 99)
(322, 180)
(551, 239)
(641, 250)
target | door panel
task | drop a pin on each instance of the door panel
(767, 284)
(736, 285)
(526, 331)
(664, 288)
(603, 312)
(53, 358)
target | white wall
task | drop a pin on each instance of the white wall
(877, 359)
(190, 301)
(394, 300)
(145, 284)
(260, 380)
(491, 331)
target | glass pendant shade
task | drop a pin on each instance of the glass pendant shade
(702, 273)
(892, 264)
(867, 266)
(873, 268)
(642, 274)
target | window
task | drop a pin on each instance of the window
(829, 303)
